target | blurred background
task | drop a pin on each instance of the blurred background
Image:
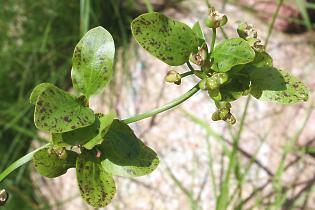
(265, 161)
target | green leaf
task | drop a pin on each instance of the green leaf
(124, 154)
(235, 88)
(231, 52)
(105, 122)
(38, 90)
(271, 84)
(79, 136)
(97, 187)
(92, 61)
(54, 162)
(168, 40)
(56, 111)
(199, 33)
(262, 59)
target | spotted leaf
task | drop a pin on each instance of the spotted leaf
(38, 90)
(124, 154)
(92, 61)
(54, 162)
(231, 52)
(56, 111)
(168, 40)
(274, 85)
(105, 122)
(79, 136)
(97, 187)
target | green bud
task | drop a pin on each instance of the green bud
(221, 78)
(173, 77)
(224, 112)
(215, 94)
(212, 84)
(4, 196)
(246, 31)
(256, 44)
(230, 119)
(216, 116)
(215, 19)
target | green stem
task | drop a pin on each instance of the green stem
(25, 159)
(185, 74)
(190, 66)
(165, 107)
(214, 36)
(28, 157)
(275, 15)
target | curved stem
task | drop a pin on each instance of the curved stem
(165, 107)
(190, 66)
(26, 158)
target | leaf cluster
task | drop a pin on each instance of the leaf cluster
(98, 146)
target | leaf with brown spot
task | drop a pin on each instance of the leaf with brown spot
(169, 40)
(38, 90)
(274, 85)
(97, 187)
(92, 61)
(56, 111)
(53, 162)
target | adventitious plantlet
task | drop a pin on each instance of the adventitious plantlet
(101, 146)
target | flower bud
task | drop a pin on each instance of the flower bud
(224, 113)
(216, 116)
(200, 57)
(173, 77)
(215, 19)
(230, 119)
(256, 44)
(4, 196)
(246, 31)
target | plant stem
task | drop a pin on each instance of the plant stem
(214, 36)
(186, 74)
(273, 21)
(190, 66)
(165, 107)
(28, 157)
